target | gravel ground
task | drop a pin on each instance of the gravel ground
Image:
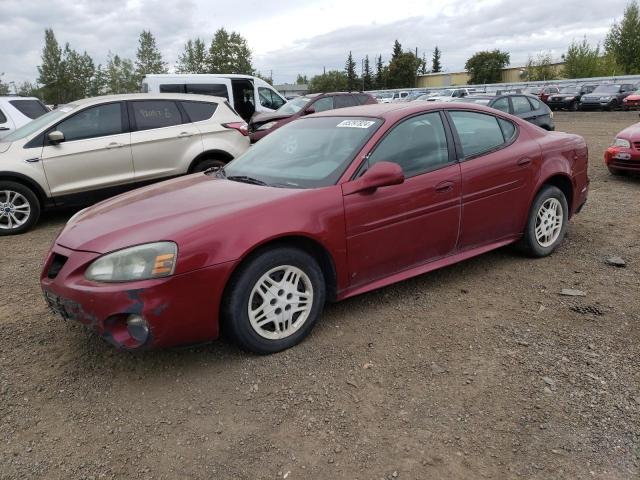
(480, 370)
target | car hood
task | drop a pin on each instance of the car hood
(269, 117)
(631, 133)
(174, 210)
(633, 97)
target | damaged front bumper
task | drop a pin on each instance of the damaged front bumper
(177, 310)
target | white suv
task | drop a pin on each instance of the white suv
(97, 147)
(16, 111)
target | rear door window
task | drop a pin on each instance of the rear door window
(29, 108)
(478, 132)
(150, 114)
(342, 101)
(520, 105)
(501, 104)
(323, 104)
(199, 111)
(3, 118)
(214, 89)
(362, 98)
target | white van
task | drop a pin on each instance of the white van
(247, 94)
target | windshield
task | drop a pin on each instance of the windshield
(441, 93)
(607, 89)
(294, 106)
(569, 90)
(479, 101)
(307, 153)
(35, 125)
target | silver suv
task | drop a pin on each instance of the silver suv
(97, 147)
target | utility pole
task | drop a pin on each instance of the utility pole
(362, 72)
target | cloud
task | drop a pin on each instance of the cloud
(291, 37)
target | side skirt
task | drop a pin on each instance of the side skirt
(424, 268)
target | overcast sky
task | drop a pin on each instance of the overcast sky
(302, 36)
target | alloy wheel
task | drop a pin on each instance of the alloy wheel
(280, 302)
(549, 222)
(15, 210)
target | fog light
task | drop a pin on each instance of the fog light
(138, 328)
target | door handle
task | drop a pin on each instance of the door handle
(524, 162)
(2, 129)
(185, 135)
(444, 187)
(115, 145)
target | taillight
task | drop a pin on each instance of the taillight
(242, 127)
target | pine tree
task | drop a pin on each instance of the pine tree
(397, 50)
(350, 69)
(423, 65)
(623, 40)
(229, 53)
(148, 57)
(380, 77)
(367, 75)
(4, 88)
(194, 57)
(51, 72)
(120, 75)
(436, 66)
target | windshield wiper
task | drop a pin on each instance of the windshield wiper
(246, 179)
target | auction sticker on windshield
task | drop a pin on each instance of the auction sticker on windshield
(355, 124)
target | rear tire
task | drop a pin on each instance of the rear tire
(573, 107)
(206, 164)
(19, 208)
(547, 222)
(274, 300)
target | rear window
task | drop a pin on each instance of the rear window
(342, 101)
(199, 111)
(172, 88)
(29, 108)
(156, 114)
(362, 98)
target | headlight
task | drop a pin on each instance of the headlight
(621, 142)
(142, 262)
(568, 99)
(605, 99)
(266, 126)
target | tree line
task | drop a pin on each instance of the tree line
(66, 74)
(620, 55)
(400, 72)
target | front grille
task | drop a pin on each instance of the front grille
(57, 262)
(636, 145)
(631, 164)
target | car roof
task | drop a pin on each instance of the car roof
(395, 111)
(148, 96)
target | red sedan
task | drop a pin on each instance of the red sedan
(324, 208)
(624, 155)
(632, 101)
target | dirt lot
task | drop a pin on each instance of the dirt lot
(481, 370)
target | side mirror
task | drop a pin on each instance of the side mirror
(309, 110)
(381, 174)
(55, 137)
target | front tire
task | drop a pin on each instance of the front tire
(19, 208)
(573, 107)
(206, 164)
(547, 222)
(274, 300)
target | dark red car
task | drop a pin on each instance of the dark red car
(325, 208)
(624, 155)
(265, 123)
(543, 93)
